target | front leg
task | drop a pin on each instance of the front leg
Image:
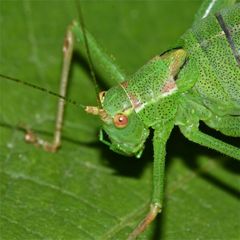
(161, 135)
(31, 137)
(102, 63)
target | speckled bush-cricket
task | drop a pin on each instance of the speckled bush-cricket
(197, 80)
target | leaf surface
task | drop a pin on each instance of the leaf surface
(85, 191)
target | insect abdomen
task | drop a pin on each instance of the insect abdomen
(214, 44)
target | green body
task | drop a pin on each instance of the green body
(197, 80)
(216, 90)
(204, 86)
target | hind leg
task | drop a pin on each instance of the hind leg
(228, 125)
(195, 135)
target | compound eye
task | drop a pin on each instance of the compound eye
(102, 95)
(120, 120)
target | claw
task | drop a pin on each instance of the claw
(32, 138)
(153, 212)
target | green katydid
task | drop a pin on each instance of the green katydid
(179, 95)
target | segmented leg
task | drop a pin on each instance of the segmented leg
(102, 63)
(195, 135)
(67, 56)
(161, 135)
(228, 125)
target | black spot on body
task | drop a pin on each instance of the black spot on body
(228, 36)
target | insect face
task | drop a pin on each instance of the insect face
(125, 130)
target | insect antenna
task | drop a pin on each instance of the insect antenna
(67, 100)
(89, 59)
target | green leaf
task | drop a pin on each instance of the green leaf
(85, 191)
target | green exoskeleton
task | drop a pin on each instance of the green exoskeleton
(197, 80)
